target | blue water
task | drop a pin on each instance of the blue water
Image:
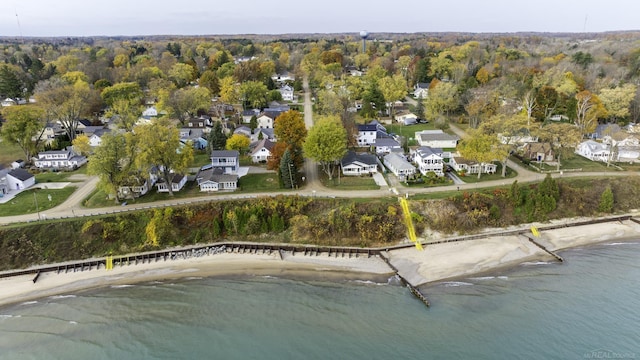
(588, 307)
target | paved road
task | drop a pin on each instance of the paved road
(313, 187)
(312, 181)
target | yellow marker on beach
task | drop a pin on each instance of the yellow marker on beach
(535, 231)
(109, 263)
(409, 223)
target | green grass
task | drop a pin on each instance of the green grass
(200, 158)
(60, 176)
(349, 183)
(10, 152)
(259, 183)
(25, 203)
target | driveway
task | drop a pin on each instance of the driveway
(379, 179)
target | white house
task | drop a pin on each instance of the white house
(436, 139)
(135, 186)
(287, 93)
(594, 151)
(210, 180)
(262, 151)
(18, 179)
(358, 164)
(265, 122)
(284, 77)
(421, 90)
(407, 118)
(49, 133)
(95, 138)
(398, 165)
(60, 159)
(429, 159)
(150, 112)
(469, 167)
(8, 102)
(227, 160)
(177, 183)
(386, 145)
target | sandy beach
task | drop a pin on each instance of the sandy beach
(464, 258)
(22, 288)
(438, 262)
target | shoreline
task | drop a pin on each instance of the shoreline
(440, 261)
(17, 289)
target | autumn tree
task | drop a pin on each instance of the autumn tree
(158, 144)
(186, 102)
(24, 126)
(290, 130)
(326, 143)
(617, 101)
(509, 129)
(442, 99)
(229, 92)
(588, 109)
(182, 74)
(109, 162)
(480, 148)
(81, 144)
(393, 89)
(563, 137)
(253, 94)
(66, 103)
(124, 101)
(210, 80)
(238, 142)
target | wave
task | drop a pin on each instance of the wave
(121, 286)
(73, 322)
(367, 282)
(456, 283)
(269, 277)
(193, 278)
(61, 296)
(490, 278)
(7, 316)
(622, 243)
(532, 263)
(29, 303)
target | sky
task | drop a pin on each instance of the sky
(208, 17)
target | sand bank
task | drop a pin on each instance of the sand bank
(22, 288)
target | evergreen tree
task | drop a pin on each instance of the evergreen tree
(253, 123)
(287, 170)
(216, 138)
(606, 201)
(420, 108)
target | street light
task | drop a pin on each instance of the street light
(290, 175)
(35, 199)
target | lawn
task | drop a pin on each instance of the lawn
(60, 176)
(349, 182)
(574, 163)
(10, 152)
(25, 202)
(259, 183)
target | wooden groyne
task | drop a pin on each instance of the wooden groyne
(192, 252)
(532, 239)
(637, 221)
(414, 290)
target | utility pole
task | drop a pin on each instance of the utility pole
(290, 175)
(35, 199)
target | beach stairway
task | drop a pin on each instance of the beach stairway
(409, 223)
(536, 239)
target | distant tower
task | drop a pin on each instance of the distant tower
(364, 35)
